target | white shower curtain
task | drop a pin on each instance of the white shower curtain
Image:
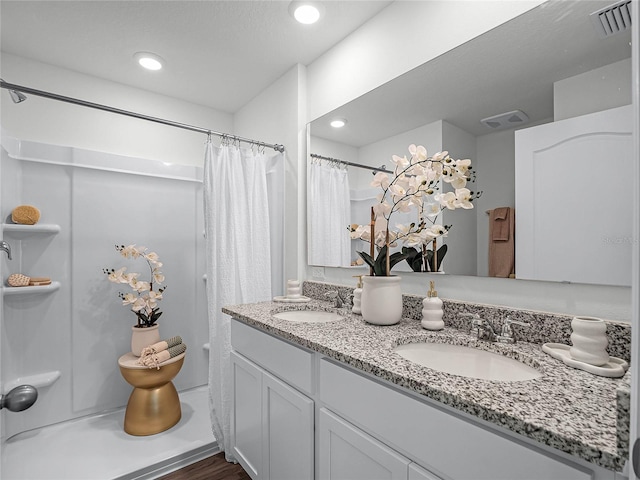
(236, 209)
(329, 211)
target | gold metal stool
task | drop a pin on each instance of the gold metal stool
(154, 405)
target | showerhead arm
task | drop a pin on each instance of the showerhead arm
(16, 96)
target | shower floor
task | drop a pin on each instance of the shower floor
(96, 447)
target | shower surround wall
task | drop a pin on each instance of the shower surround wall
(98, 200)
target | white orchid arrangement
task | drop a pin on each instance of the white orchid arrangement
(144, 299)
(416, 183)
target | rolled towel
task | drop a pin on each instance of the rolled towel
(25, 215)
(155, 359)
(160, 346)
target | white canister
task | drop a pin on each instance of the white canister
(293, 289)
(381, 302)
(589, 339)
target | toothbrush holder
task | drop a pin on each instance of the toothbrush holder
(589, 339)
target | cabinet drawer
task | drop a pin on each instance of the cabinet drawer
(292, 364)
(445, 443)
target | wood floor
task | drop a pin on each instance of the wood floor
(212, 468)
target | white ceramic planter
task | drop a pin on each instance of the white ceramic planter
(143, 337)
(589, 339)
(381, 302)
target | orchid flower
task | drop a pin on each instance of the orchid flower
(146, 295)
(463, 198)
(417, 181)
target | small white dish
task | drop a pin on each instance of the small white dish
(300, 299)
(615, 367)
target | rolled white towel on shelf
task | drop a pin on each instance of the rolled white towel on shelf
(162, 345)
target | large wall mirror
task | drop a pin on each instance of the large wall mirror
(556, 66)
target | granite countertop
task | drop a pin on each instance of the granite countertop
(568, 409)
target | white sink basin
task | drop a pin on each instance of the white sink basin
(308, 316)
(467, 362)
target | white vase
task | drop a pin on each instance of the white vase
(589, 340)
(381, 302)
(143, 337)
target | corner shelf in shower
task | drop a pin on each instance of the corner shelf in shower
(21, 231)
(38, 380)
(8, 291)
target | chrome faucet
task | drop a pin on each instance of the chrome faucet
(4, 246)
(485, 329)
(476, 323)
(506, 334)
(340, 299)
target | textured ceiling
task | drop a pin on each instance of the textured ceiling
(223, 53)
(218, 53)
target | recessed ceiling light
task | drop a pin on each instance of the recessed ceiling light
(306, 12)
(338, 122)
(148, 60)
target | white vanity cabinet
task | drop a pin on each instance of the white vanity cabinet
(366, 428)
(446, 443)
(272, 423)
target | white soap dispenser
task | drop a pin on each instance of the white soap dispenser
(432, 310)
(357, 296)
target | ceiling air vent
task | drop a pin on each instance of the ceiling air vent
(506, 120)
(613, 19)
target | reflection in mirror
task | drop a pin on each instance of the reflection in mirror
(553, 65)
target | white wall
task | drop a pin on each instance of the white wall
(278, 115)
(594, 91)
(401, 37)
(461, 241)
(52, 122)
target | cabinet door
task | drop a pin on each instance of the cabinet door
(246, 415)
(347, 453)
(287, 432)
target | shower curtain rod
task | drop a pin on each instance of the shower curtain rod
(367, 167)
(106, 108)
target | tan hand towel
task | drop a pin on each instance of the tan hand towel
(502, 249)
(500, 224)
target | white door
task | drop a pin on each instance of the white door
(557, 165)
(246, 415)
(347, 453)
(288, 418)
